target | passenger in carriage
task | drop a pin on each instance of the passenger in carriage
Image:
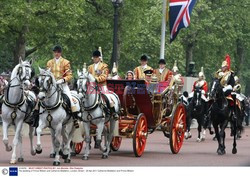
(139, 71)
(163, 73)
(114, 73)
(129, 75)
(202, 84)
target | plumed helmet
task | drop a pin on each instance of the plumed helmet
(114, 69)
(201, 74)
(175, 68)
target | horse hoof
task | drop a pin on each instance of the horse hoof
(9, 149)
(198, 140)
(72, 154)
(56, 163)
(33, 153)
(234, 151)
(12, 161)
(52, 155)
(39, 151)
(85, 158)
(20, 159)
(104, 156)
(221, 152)
(67, 161)
(65, 156)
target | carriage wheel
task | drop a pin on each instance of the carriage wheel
(178, 128)
(140, 135)
(78, 147)
(116, 143)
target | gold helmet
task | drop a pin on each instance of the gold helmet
(100, 50)
(201, 74)
(224, 64)
(175, 68)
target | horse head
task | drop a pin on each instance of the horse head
(197, 96)
(23, 72)
(215, 89)
(84, 80)
(46, 82)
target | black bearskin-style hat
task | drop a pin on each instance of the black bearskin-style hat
(57, 48)
(162, 61)
(144, 57)
(96, 53)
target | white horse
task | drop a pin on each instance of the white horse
(16, 108)
(93, 112)
(54, 115)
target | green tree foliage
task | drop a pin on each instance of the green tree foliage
(30, 28)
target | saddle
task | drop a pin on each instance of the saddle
(231, 101)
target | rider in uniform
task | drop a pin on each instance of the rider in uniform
(226, 77)
(60, 67)
(201, 83)
(99, 70)
(139, 71)
(163, 73)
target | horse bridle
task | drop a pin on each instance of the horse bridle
(49, 84)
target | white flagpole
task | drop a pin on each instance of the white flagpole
(163, 29)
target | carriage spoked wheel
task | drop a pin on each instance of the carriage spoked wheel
(140, 135)
(116, 143)
(178, 128)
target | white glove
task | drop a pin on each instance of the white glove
(60, 81)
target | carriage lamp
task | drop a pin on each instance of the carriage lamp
(116, 4)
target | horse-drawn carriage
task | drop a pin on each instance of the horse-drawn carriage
(144, 109)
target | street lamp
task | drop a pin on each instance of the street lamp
(116, 4)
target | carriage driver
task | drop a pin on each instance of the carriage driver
(201, 83)
(99, 70)
(61, 70)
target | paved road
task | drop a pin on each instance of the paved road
(157, 153)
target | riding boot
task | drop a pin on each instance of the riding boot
(114, 114)
(75, 119)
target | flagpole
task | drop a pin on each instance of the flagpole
(163, 29)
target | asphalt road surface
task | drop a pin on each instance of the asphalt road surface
(157, 153)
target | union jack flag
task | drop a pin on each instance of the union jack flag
(179, 13)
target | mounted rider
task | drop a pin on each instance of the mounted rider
(139, 71)
(226, 76)
(61, 69)
(202, 84)
(241, 97)
(100, 70)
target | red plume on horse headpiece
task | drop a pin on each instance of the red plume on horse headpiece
(228, 60)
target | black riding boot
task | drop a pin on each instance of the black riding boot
(75, 119)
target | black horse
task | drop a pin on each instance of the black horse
(222, 111)
(196, 109)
